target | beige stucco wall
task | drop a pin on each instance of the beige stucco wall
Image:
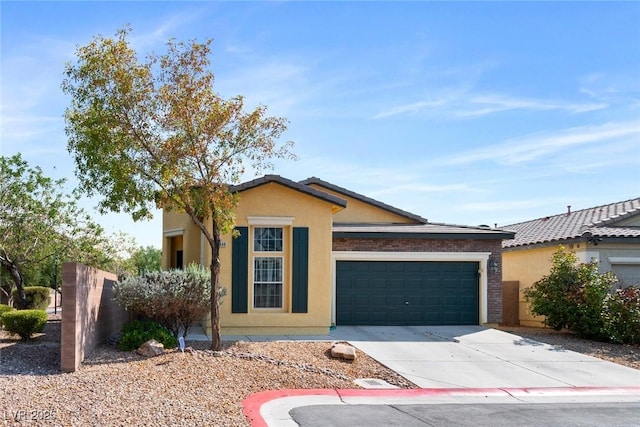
(527, 267)
(277, 201)
(360, 212)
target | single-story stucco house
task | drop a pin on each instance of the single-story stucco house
(608, 234)
(310, 255)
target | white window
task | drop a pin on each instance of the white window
(267, 284)
(268, 267)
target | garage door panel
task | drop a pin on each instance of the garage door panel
(377, 293)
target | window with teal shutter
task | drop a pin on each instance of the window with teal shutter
(240, 271)
(300, 279)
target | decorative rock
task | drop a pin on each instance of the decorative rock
(343, 351)
(151, 348)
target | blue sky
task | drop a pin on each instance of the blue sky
(463, 113)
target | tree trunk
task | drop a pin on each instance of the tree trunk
(18, 281)
(216, 341)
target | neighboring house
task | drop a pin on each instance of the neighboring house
(311, 255)
(608, 234)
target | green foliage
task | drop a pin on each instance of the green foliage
(39, 222)
(24, 322)
(137, 332)
(146, 259)
(176, 299)
(621, 315)
(4, 309)
(37, 298)
(571, 296)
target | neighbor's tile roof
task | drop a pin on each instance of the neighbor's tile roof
(596, 222)
(365, 199)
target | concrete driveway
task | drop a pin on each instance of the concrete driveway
(478, 357)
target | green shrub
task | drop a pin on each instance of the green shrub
(24, 322)
(621, 315)
(3, 309)
(176, 299)
(137, 332)
(38, 298)
(571, 296)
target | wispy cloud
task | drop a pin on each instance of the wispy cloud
(463, 104)
(281, 85)
(410, 108)
(619, 88)
(489, 104)
(535, 146)
(165, 29)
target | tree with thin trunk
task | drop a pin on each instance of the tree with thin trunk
(152, 132)
(39, 222)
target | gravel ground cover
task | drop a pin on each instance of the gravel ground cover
(182, 389)
(115, 388)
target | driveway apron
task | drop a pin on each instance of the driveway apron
(475, 356)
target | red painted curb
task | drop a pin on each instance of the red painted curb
(253, 403)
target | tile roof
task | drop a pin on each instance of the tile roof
(291, 184)
(365, 199)
(430, 230)
(597, 222)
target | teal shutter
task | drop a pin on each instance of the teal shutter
(240, 271)
(300, 282)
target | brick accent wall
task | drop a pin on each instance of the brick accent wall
(494, 280)
(89, 313)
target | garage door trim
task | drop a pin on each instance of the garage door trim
(480, 257)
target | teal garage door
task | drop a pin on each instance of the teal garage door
(406, 293)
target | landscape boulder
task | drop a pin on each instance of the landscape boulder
(343, 351)
(151, 348)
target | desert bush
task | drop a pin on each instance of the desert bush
(176, 299)
(24, 322)
(621, 315)
(137, 332)
(571, 296)
(37, 297)
(3, 309)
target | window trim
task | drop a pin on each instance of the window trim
(273, 221)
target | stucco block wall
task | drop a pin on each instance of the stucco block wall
(494, 280)
(89, 313)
